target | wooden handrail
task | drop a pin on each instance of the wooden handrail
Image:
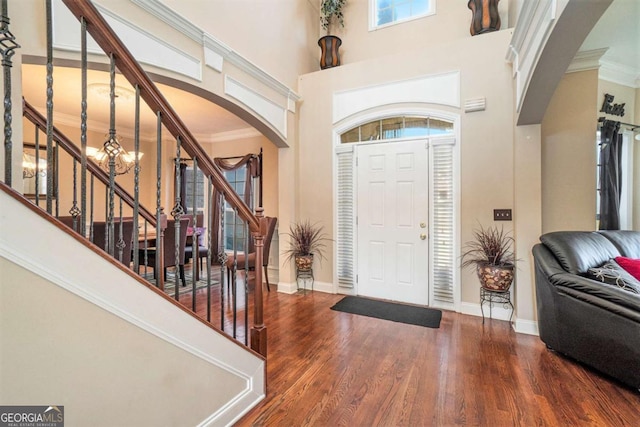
(67, 145)
(127, 65)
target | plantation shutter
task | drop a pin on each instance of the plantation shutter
(345, 218)
(442, 222)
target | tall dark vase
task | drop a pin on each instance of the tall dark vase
(484, 16)
(330, 57)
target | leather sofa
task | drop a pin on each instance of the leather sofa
(592, 322)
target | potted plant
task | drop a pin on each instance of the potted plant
(492, 255)
(330, 12)
(305, 241)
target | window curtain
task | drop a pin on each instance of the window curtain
(253, 165)
(610, 175)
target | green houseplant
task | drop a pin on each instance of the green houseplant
(305, 241)
(492, 256)
(330, 13)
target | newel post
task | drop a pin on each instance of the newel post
(259, 330)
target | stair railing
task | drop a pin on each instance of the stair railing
(105, 37)
(93, 24)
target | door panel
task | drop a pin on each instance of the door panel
(391, 204)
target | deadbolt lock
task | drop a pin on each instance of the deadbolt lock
(423, 225)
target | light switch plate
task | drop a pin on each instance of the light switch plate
(502, 214)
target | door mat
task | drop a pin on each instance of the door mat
(395, 312)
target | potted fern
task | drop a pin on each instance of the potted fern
(330, 13)
(492, 256)
(305, 241)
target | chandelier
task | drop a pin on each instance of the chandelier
(110, 151)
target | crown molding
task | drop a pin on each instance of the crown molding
(586, 60)
(618, 73)
(232, 135)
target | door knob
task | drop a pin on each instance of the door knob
(423, 236)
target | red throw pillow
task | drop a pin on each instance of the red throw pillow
(631, 265)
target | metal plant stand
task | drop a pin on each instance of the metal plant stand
(494, 296)
(304, 275)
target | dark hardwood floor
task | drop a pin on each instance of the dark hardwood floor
(328, 368)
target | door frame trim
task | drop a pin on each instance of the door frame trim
(397, 110)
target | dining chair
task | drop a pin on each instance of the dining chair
(271, 226)
(199, 230)
(99, 233)
(169, 257)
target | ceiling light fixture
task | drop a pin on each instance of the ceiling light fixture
(103, 90)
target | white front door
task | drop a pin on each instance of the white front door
(392, 221)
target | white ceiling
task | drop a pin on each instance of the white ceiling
(206, 120)
(618, 30)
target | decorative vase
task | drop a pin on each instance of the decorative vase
(304, 262)
(329, 57)
(495, 277)
(484, 16)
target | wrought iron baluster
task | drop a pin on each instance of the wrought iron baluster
(56, 175)
(91, 206)
(121, 244)
(83, 127)
(136, 184)
(195, 244)
(75, 211)
(111, 148)
(49, 131)
(209, 212)
(159, 245)
(222, 256)
(245, 231)
(7, 49)
(177, 213)
(234, 283)
(38, 171)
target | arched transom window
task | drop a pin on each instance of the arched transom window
(398, 128)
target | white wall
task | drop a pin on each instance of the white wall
(80, 332)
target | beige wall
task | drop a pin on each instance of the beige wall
(486, 138)
(451, 22)
(108, 372)
(273, 34)
(569, 155)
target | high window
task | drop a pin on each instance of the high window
(389, 12)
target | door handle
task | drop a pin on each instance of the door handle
(423, 236)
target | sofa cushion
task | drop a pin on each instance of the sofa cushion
(632, 266)
(626, 241)
(612, 273)
(577, 251)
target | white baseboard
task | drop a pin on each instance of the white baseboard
(287, 288)
(529, 327)
(498, 313)
(292, 288)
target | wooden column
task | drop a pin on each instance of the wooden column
(259, 330)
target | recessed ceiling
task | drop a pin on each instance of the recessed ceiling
(203, 118)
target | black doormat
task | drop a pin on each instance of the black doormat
(402, 313)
